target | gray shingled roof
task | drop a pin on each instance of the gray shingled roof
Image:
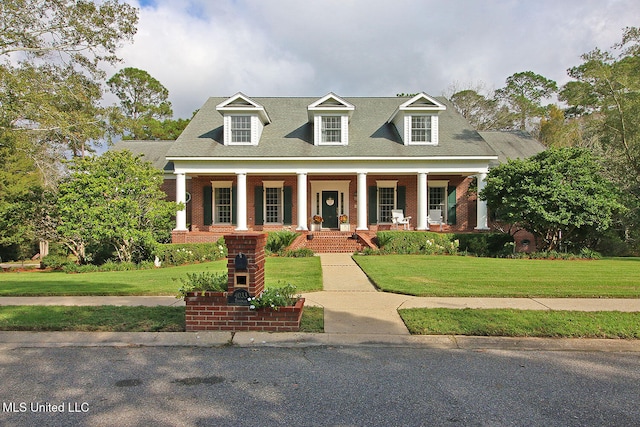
(153, 151)
(290, 134)
(512, 145)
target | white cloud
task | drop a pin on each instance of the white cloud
(200, 48)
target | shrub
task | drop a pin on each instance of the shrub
(299, 253)
(55, 262)
(486, 244)
(201, 282)
(278, 241)
(274, 298)
(426, 243)
(184, 253)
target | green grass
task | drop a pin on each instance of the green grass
(92, 318)
(425, 275)
(304, 273)
(115, 319)
(522, 323)
(312, 319)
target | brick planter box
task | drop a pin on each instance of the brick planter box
(210, 312)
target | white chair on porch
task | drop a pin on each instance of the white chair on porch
(398, 218)
(435, 217)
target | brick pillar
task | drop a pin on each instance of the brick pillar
(251, 245)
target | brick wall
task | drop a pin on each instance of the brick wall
(210, 312)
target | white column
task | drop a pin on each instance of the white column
(302, 201)
(362, 201)
(423, 211)
(482, 205)
(242, 201)
(181, 197)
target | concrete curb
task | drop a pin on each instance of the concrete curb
(14, 340)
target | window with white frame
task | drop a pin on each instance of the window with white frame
(421, 129)
(241, 129)
(386, 203)
(222, 205)
(438, 199)
(273, 205)
(331, 129)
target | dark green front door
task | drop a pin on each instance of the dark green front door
(330, 209)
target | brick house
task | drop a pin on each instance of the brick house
(262, 164)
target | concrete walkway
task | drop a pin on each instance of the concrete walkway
(351, 303)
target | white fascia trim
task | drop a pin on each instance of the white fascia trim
(407, 106)
(324, 159)
(226, 107)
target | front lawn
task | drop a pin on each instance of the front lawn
(304, 273)
(430, 275)
(522, 323)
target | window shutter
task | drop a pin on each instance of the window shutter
(207, 204)
(373, 204)
(451, 205)
(234, 205)
(402, 198)
(288, 205)
(259, 205)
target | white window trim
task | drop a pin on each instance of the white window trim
(221, 184)
(272, 184)
(386, 184)
(256, 130)
(439, 184)
(344, 130)
(408, 128)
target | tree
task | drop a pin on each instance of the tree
(50, 87)
(114, 199)
(145, 108)
(557, 195)
(83, 33)
(483, 113)
(523, 94)
(140, 94)
(605, 96)
(557, 131)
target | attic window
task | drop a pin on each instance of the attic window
(241, 129)
(420, 129)
(331, 129)
(244, 120)
(330, 116)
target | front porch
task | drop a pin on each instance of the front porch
(326, 203)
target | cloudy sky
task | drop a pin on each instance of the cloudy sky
(202, 48)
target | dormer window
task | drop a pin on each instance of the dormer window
(244, 120)
(331, 129)
(417, 120)
(421, 129)
(241, 129)
(330, 116)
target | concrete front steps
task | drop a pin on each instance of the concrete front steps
(333, 241)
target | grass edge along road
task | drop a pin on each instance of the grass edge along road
(108, 318)
(448, 276)
(521, 323)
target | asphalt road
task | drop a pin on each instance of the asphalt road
(340, 386)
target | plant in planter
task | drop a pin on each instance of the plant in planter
(344, 222)
(316, 222)
(202, 282)
(275, 298)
